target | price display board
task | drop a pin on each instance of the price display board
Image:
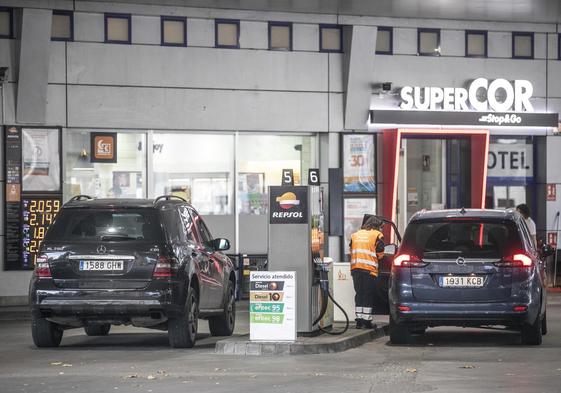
(272, 306)
(32, 191)
(38, 213)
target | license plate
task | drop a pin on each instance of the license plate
(461, 281)
(101, 265)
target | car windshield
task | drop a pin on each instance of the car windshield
(106, 225)
(446, 239)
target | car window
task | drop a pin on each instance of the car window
(206, 237)
(114, 225)
(174, 225)
(466, 238)
(527, 237)
(186, 223)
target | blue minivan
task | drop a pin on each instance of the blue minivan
(468, 267)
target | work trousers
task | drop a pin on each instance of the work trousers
(365, 293)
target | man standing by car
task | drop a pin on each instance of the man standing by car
(367, 248)
(525, 211)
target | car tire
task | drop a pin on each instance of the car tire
(399, 332)
(182, 331)
(532, 333)
(223, 325)
(45, 333)
(544, 324)
(419, 331)
(97, 330)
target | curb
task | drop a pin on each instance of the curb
(303, 345)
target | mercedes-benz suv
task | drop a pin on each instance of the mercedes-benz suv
(141, 262)
(468, 268)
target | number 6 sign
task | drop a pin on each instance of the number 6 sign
(313, 177)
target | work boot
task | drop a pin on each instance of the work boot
(360, 323)
(368, 325)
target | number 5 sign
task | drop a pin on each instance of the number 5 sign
(287, 177)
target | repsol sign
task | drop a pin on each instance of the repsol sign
(482, 95)
(288, 205)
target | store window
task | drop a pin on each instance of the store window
(510, 172)
(174, 31)
(428, 42)
(384, 41)
(227, 33)
(330, 38)
(522, 45)
(6, 22)
(124, 178)
(197, 167)
(62, 28)
(261, 159)
(280, 36)
(118, 28)
(476, 43)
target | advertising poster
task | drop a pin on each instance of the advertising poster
(41, 159)
(355, 209)
(272, 306)
(359, 168)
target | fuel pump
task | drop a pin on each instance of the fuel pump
(296, 243)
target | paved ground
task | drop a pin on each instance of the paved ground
(135, 360)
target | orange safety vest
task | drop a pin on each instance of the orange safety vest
(363, 250)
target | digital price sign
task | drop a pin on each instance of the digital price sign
(37, 214)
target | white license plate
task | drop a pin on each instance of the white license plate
(101, 265)
(461, 281)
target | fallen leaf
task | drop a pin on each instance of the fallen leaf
(467, 366)
(132, 376)
(411, 370)
(150, 377)
(56, 363)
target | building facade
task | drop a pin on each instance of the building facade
(212, 104)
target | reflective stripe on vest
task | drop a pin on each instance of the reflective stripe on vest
(363, 250)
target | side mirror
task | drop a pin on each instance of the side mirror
(390, 249)
(221, 244)
(547, 250)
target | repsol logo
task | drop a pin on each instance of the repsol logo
(287, 215)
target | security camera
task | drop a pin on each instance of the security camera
(3, 74)
(386, 86)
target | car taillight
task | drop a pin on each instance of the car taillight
(407, 260)
(165, 268)
(516, 260)
(42, 268)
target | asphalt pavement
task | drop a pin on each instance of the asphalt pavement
(139, 360)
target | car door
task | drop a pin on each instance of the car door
(214, 261)
(191, 250)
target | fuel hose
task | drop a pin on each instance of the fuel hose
(325, 296)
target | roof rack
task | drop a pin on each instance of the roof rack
(80, 197)
(167, 198)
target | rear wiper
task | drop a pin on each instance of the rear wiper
(116, 236)
(443, 252)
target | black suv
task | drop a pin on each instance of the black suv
(148, 263)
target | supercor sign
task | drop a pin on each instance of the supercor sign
(482, 95)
